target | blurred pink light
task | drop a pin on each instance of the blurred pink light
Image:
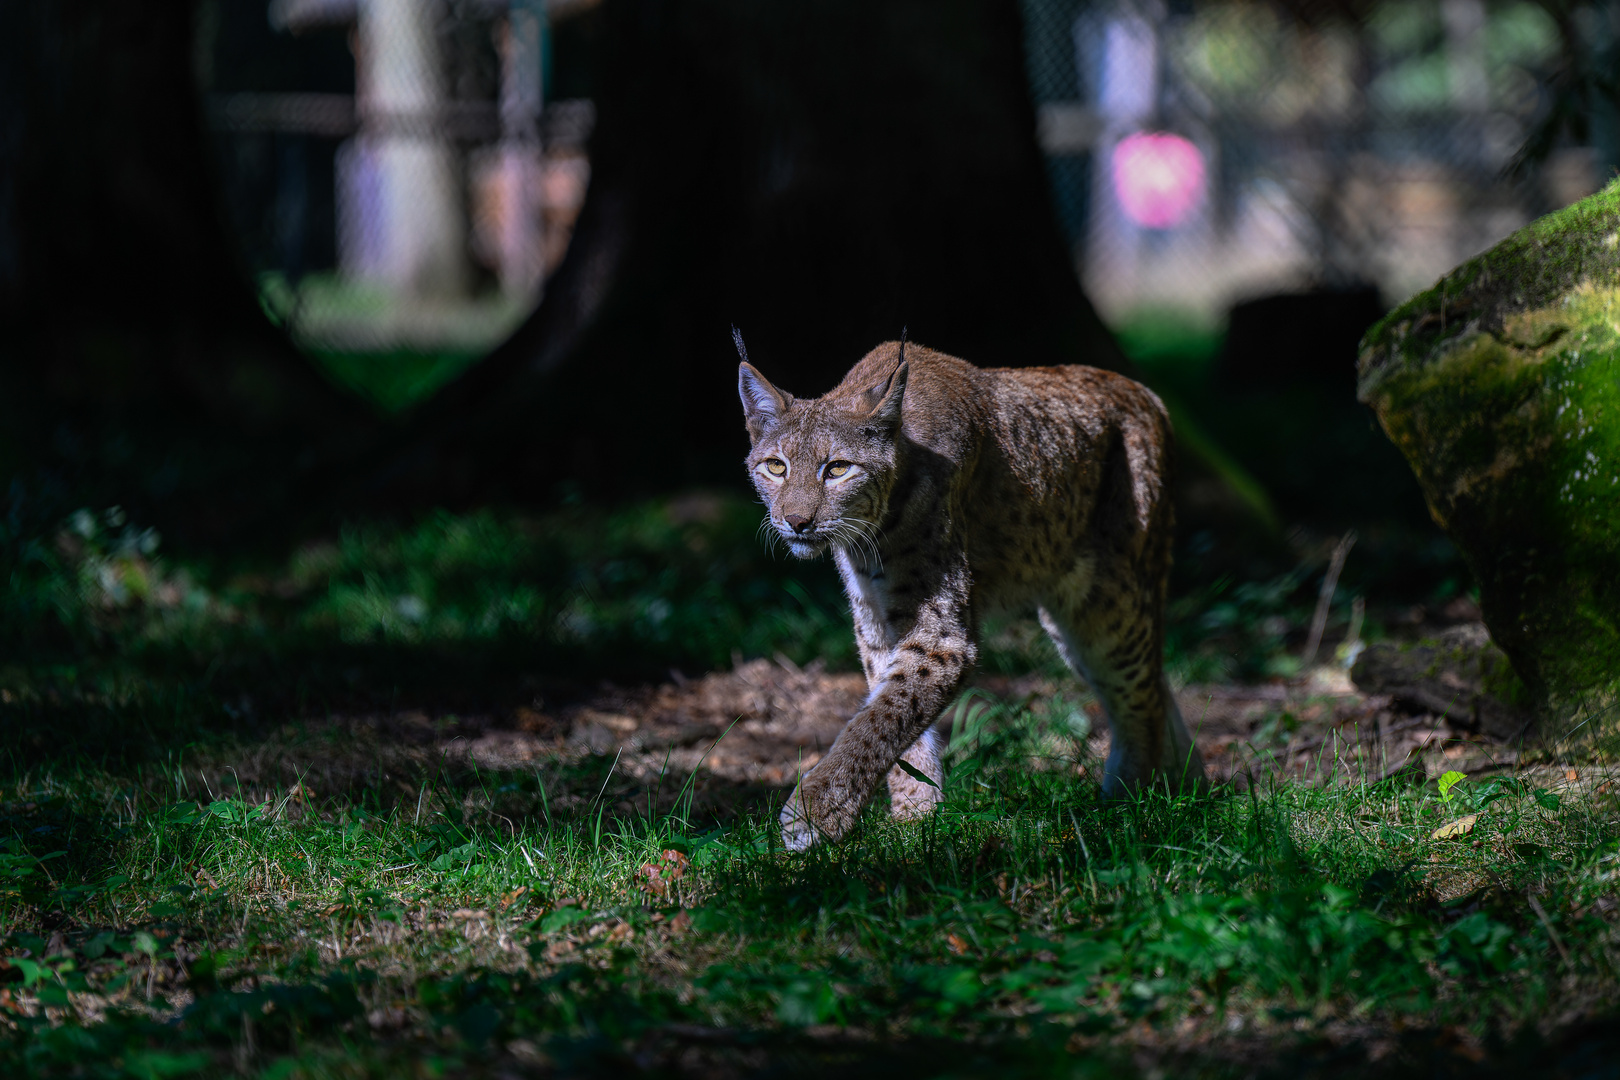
(1158, 178)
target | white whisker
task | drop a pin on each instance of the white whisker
(769, 536)
(859, 539)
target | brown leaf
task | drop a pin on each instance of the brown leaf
(1461, 827)
(956, 944)
(677, 865)
(652, 880)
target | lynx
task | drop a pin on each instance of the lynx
(944, 492)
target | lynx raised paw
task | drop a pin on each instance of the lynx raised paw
(818, 810)
(798, 833)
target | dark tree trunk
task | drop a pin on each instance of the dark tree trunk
(135, 365)
(820, 175)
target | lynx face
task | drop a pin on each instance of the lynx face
(824, 468)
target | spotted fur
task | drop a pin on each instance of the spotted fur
(944, 491)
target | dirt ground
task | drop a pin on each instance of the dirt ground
(750, 731)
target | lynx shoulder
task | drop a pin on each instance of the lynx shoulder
(943, 492)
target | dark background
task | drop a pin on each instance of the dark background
(805, 173)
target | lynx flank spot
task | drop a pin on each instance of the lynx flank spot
(964, 490)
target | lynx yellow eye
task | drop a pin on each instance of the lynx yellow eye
(775, 467)
(837, 469)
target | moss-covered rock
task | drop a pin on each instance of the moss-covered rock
(1501, 385)
(1459, 674)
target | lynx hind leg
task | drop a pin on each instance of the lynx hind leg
(909, 798)
(1111, 639)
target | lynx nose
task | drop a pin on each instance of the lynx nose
(797, 522)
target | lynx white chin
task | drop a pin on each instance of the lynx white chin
(806, 549)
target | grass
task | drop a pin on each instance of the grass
(162, 917)
(509, 921)
(492, 597)
(427, 608)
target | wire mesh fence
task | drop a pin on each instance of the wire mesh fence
(400, 179)
(396, 175)
(1204, 153)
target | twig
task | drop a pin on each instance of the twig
(1535, 905)
(1324, 599)
(1352, 640)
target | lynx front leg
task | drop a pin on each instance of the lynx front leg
(922, 674)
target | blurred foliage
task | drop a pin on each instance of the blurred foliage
(491, 604)
(1316, 453)
(583, 590)
(322, 310)
(394, 380)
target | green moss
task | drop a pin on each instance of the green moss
(1501, 386)
(1534, 268)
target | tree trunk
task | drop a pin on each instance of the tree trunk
(819, 175)
(135, 365)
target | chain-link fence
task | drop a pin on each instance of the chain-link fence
(1204, 153)
(393, 168)
(400, 179)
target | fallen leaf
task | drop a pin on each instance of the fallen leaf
(957, 945)
(1461, 827)
(652, 880)
(1571, 774)
(681, 923)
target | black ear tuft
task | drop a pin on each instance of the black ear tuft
(736, 339)
(903, 330)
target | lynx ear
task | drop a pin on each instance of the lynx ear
(763, 404)
(886, 411)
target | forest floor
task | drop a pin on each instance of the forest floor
(410, 803)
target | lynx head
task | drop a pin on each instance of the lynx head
(825, 467)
